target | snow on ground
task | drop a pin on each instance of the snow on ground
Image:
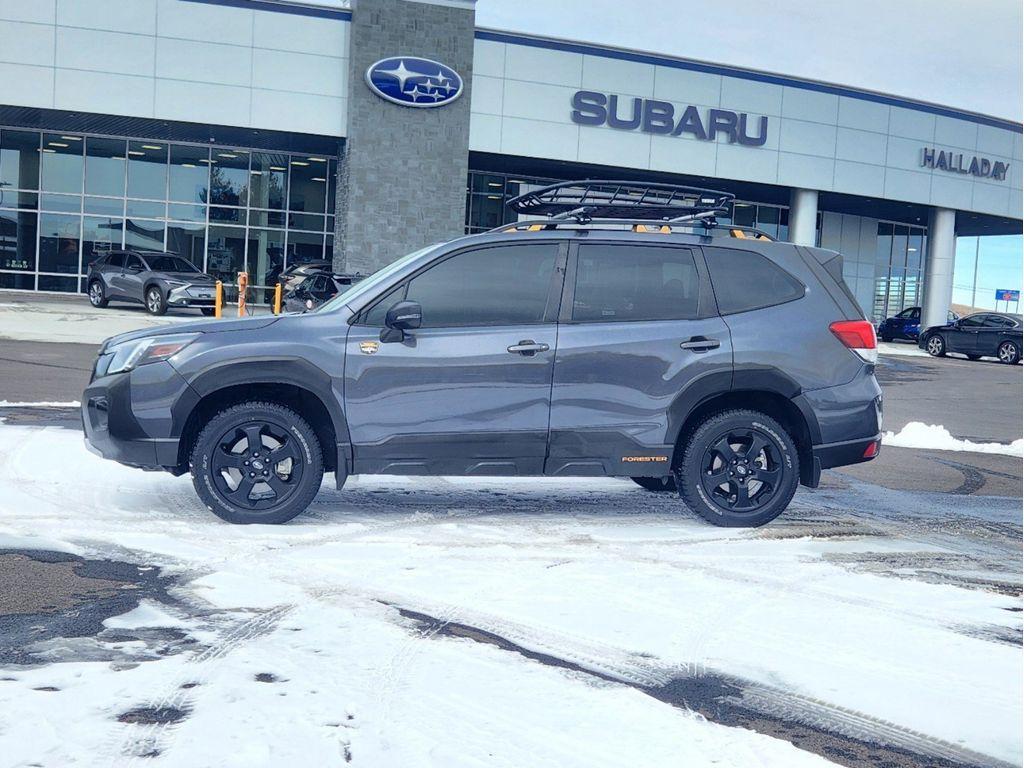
(902, 349)
(42, 404)
(596, 572)
(937, 438)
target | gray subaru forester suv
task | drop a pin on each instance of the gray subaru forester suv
(616, 329)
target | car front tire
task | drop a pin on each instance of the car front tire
(1009, 353)
(97, 294)
(257, 462)
(208, 311)
(659, 484)
(739, 469)
(155, 302)
(935, 345)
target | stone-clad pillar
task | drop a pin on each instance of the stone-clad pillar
(403, 170)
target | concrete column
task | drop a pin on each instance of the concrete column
(938, 267)
(402, 176)
(803, 216)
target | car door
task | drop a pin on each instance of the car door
(963, 337)
(637, 327)
(469, 391)
(992, 333)
(129, 281)
(110, 269)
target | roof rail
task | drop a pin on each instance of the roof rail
(584, 201)
(666, 226)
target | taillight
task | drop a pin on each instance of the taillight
(858, 335)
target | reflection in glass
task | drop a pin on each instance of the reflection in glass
(104, 166)
(62, 163)
(189, 177)
(229, 176)
(225, 252)
(146, 209)
(187, 240)
(265, 259)
(62, 284)
(227, 215)
(61, 203)
(307, 190)
(147, 169)
(185, 212)
(59, 235)
(307, 221)
(100, 235)
(19, 160)
(266, 219)
(268, 180)
(17, 240)
(304, 247)
(104, 206)
(144, 235)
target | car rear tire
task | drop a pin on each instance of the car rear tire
(1009, 353)
(666, 483)
(97, 294)
(155, 302)
(208, 311)
(935, 345)
(739, 469)
(257, 462)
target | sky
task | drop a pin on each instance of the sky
(999, 267)
(963, 53)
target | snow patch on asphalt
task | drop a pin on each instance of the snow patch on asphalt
(935, 437)
(299, 657)
(43, 404)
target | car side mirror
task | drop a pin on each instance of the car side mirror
(403, 316)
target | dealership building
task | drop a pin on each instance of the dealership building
(251, 135)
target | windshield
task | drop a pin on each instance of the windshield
(364, 286)
(171, 264)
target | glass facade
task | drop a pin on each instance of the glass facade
(899, 264)
(68, 198)
(487, 193)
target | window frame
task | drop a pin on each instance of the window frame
(772, 262)
(551, 307)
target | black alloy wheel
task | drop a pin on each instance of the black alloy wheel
(740, 468)
(257, 463)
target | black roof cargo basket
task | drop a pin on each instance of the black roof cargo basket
(647, 207)
(637, 200)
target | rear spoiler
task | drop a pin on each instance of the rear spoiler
(831, 263)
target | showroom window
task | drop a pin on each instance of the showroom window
(899, 264)
(66, 199)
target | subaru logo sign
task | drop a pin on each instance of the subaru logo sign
(414, 82)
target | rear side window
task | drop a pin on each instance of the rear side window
(115, 260)
(634, 282)
(744, 280)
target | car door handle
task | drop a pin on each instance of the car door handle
(700, 344)
(528, 347)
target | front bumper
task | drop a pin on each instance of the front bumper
(192, 296)
(132, 418)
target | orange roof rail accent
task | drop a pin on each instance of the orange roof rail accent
(664, 229)
(738, 233)
(535, 228)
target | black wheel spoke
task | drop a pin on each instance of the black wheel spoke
(769, 477)
(718, 476)
(757, 444)
(279, 486)
(223, 458)
(742, 496)
(744, 479)
(287, 450)
(253, 438)
(241, 494)
(724, 449)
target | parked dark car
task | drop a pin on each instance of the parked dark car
(294, 275)
(906, 324)
(985, 334)
(316, 289)
(616, 330)
(154, 279)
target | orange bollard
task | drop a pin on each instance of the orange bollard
(218, 299)
(243, 284)
(277, 299)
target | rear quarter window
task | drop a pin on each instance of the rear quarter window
(744, 280)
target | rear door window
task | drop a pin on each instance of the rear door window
(622, 282)
(744, 280)
(115, 260)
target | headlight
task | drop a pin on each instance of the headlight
(131, 354)
(175, 282)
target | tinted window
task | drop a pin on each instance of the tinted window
(374, 316)
(744, 280)
(134, 261)
(170, 264)
(908, 313)
(504, 285)
(116, 260)
(998, 321)
(631, 282)
(974, 321)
